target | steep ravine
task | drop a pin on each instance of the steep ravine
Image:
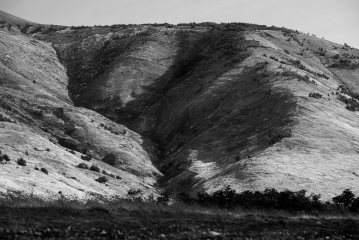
(225, 108)
(205, 108)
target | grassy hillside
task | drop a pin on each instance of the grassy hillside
(208, 105)
(226, 106)
(40, 124)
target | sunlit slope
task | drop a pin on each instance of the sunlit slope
(40, 124)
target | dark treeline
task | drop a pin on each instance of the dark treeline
(233, 26)
(272, 199)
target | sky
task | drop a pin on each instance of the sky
(335, 20)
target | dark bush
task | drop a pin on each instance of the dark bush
(83, 166)
(163, 199)
(315, 95)
(345, 199)
(101, 179)
(21, 162)
(274, 58)
(110, 159)
(4, 157)
(95, 168)
(135, 194)
(86, 157)
(44, 170)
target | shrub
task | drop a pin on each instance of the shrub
(83, 166)
(118, 177)
(286, 51)
(21, 162)
(101, 179)
(163, 199)
(86, 157)
(345, 199)
(135, 194)
(44, 170)
(315, 95)
(4, 157)
(274, 58)
(110, 159)
(95, 168)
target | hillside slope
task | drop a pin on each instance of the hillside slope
(40, 124)
(248, 106)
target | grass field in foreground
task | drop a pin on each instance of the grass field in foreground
(25, 216)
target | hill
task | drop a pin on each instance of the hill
(182, 108)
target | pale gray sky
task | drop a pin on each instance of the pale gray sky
(336, 20)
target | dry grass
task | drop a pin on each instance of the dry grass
(30, 217)
(151, 207)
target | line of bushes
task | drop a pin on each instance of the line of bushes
(352, 103)
(345, 63)
(272, 199)
(301, 66)
(305, 78)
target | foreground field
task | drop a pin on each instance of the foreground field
(30, 217)
(97, 223)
